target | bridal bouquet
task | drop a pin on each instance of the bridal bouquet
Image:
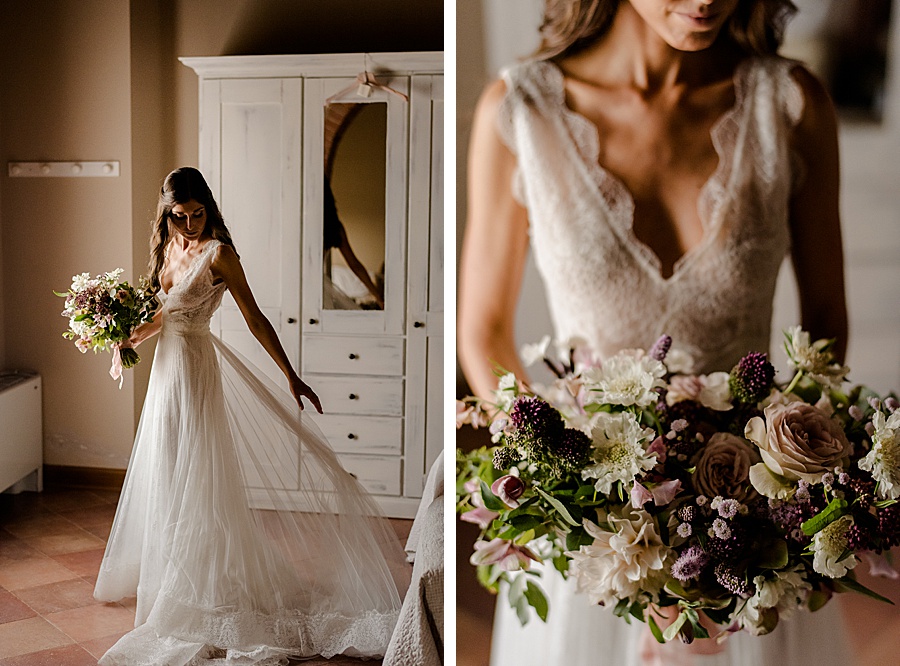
(725, 494)
(103, 312)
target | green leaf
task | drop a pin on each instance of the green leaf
(848, 584)
(524, 522)
(774, 555)
(538, 600)
(835, 509)
(491, 501)
(694, 618)
(673, 629)
(816, 600)
(524, 537)
(585, 491)
(655, 630)
(621, 609)
(637, 611)
(577, 538)
(560, 508)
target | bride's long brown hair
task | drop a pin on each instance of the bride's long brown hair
(181, 186)
(757, 26)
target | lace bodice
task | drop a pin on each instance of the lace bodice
(605, 285)
(191, 303)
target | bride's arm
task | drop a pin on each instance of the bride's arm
(816, 248)
(227, 266)
(493, 254)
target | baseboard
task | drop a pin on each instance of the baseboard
(71, 476)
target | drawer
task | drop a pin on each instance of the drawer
(379, 475)
(369, 396)
(353, 355)
(362, 434)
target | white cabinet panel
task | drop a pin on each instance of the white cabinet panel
(352, 433)
(359, 395)
(380, 476)
(354, 355)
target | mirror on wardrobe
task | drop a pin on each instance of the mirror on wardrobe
(354, 206)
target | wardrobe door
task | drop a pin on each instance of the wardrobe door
(425, 322)
(250, 140)
(366, 168)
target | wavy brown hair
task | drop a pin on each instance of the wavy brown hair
(569, 26)
(180, 186)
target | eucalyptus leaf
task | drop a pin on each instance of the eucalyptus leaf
(560, 508)
(490, 500)
(673, 629)
(538, 600)
(845, 584)
(655, 630)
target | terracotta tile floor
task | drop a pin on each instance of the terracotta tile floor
(51, 544)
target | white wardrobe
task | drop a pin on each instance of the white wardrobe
(271, 129)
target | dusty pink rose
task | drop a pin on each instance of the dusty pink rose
(723, 468)
(798, 441)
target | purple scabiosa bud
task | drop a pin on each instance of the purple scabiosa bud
(700, 500)
(751, 379)
(689, 564)
(870, 429)
(678, 425)
(874, 403)
(731, 581)
(505, 457)
(661, 347)
(892, 404)
(828, 478)
(684, 530)
(534, 424)
(570, 450)
(856, 413)
(843, 478)
(802, 493)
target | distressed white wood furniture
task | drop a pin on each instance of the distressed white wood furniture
(22, 441)
(378, 372)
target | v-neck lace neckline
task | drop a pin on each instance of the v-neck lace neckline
(190, 268)
(618, 199)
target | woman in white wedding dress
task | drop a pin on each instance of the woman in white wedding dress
(661, 159)
(242, 536)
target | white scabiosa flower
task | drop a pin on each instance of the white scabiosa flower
(507, 391)
(620, 564)
(813, 358)
(829, 545)
(80, 282)
(618, 450)
(883, 461)
(785, 593)
(625, 379)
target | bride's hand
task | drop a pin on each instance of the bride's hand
(300, 389)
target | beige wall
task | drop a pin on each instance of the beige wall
(65, 91)
(99, 79)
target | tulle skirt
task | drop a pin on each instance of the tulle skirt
(578, 632)
(237, 528)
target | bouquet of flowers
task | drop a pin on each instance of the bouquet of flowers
(103, 312)
(725, 494)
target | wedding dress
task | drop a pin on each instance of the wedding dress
(243, 537)
(605, 286)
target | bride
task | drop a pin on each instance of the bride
(242, 536)
(661, 159)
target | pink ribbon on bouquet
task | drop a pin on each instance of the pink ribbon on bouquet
(116, 370)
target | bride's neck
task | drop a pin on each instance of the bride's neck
(633, 55)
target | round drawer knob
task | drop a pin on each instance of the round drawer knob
(351, 436)
(291, 320)
(418, 324)
(353, 357)
(313, 321)
(353, 396)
